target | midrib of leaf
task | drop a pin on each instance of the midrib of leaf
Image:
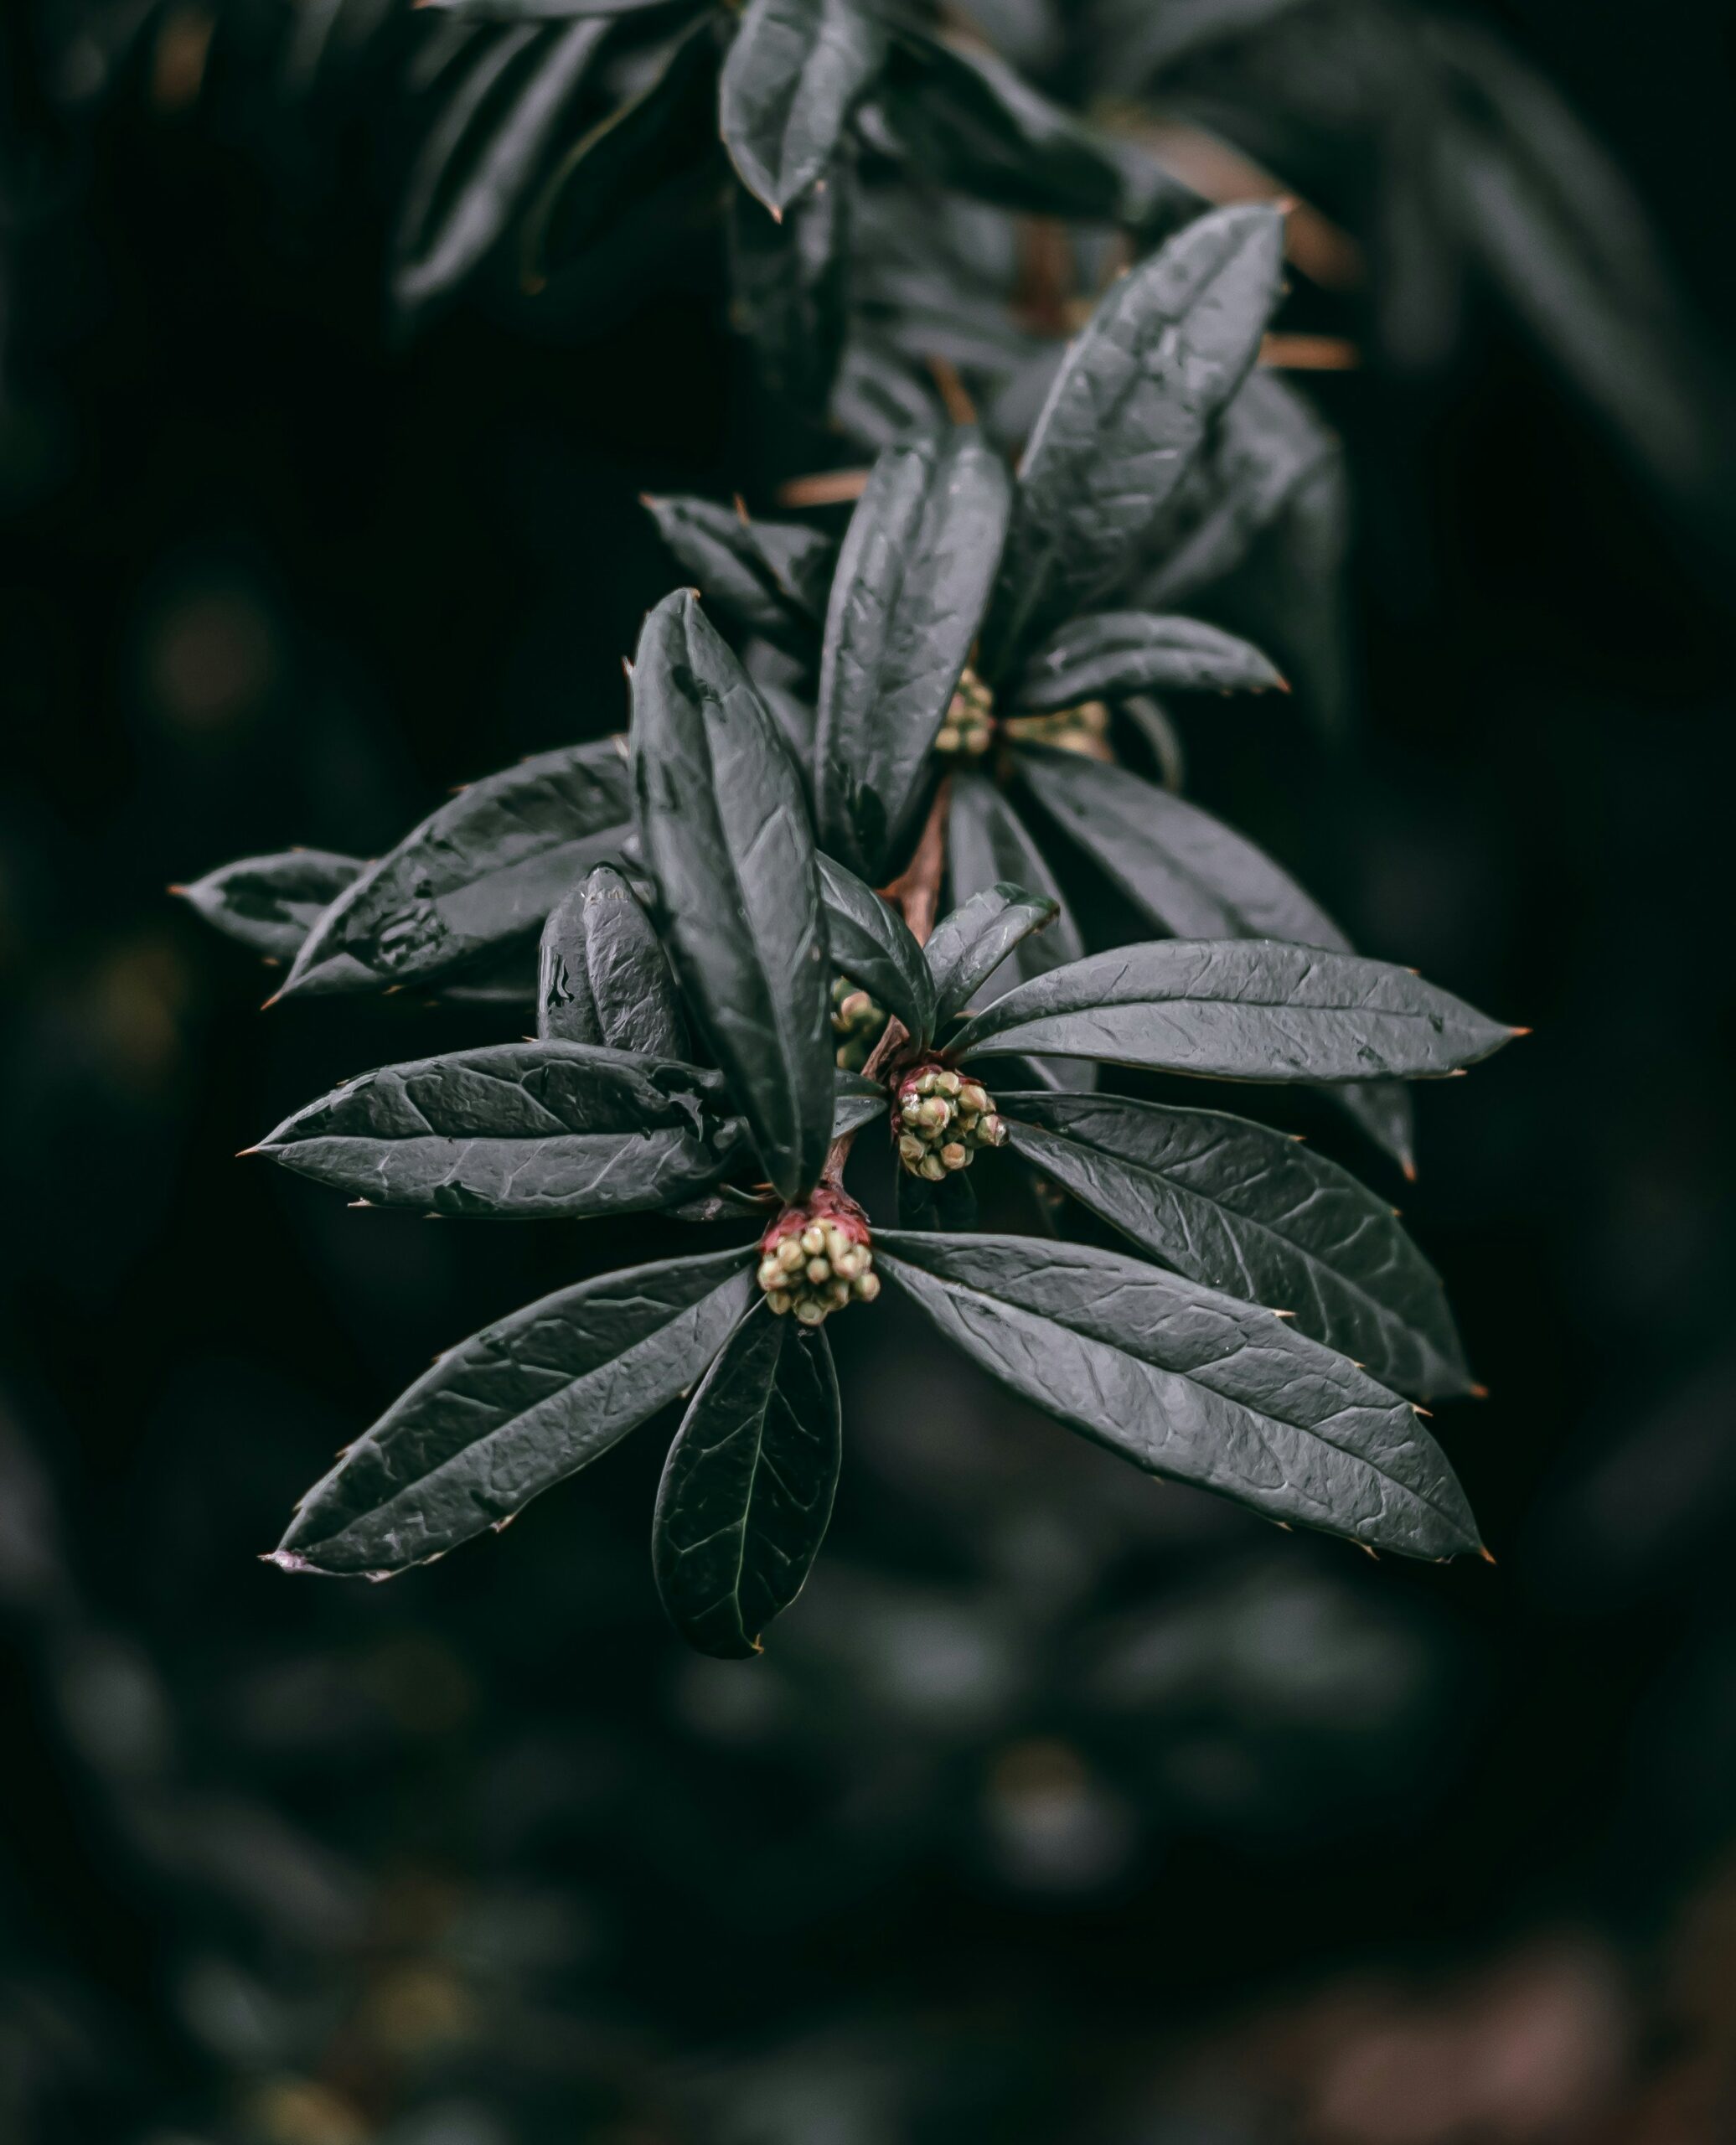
(1257, 1416)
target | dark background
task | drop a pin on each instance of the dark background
(1064, 1806)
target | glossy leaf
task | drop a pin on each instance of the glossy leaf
(988, 845)
(526, 1402)
(969, 123)
(770, 575)
(796, 70)
(520, 1130)
(872, 944)
(1189, 872)
(450, 223)
(604, 976)
(1194, 876)
(1190, 1384)
(270, 903)
(482, 871)
(746, 1494)
(1245, 1009)
(724, 829)
(652, 142)
(1259, 1213)
(966, 947)
(913, 577)
(1129, 410)
(1116, 653)
(856, 1102)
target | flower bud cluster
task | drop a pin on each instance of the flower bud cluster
(969, 730)
(943, 1119)
(816, 1258)
(856, 1021)
(1084, 729)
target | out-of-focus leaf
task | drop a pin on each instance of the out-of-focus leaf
(452, 219)
(1244, 1009)
(656, 140)
(1267, 441)
(879, 397)
(795, 72)
(1253, 1211)
(987, 846)
(270, 903)
(1190, 1384)
(1129, 409)
(724, 830)
(1116, 653)
(544, 10)
(523, 1130)
(967, 122)
(966, 947)
(1189, 872)
(1559, 229)
(771, 575)
(482, 870)
(1145, 41)
(789, 290)
(527, 1401)
(872, 944)
(746, 1494)
(604, 976)
(912, 577)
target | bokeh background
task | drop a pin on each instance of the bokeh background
(1064, 1806)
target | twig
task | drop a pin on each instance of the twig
(825, 487)
(1293, 353)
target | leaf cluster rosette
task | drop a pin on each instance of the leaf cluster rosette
(684, 1062)
(684, 904)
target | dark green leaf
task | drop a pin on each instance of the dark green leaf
(1258, 1213)
(657, 140)
(966, 947)
(872, 944)
(1266, 442)
(794, 74)
(1129, 409)
(987, 846)
(915, 571)
(270, 903)
(967, 122)
(1190, 873)
(879, 397)
(1190, 1384)
(482, 870)
(771, 575)
(523, 1130)
(521, 1404)
(725, 832)
(858, 1102)
(464, 190)
(746, 1494)
(1193, 876)
(1121, 652)
(790, 285)
(1239, 1009)
(604, 976)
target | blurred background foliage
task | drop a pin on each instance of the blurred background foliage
(1069, 1807)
